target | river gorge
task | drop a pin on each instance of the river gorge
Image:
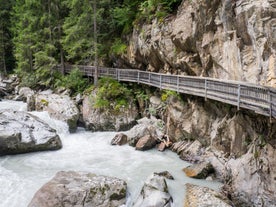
(22, 175)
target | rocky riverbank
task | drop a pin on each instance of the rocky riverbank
(239, 145)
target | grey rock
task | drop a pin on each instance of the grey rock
(154, 193)
(145, 143)
(81, 189)
(21, 132)
(119, 139)
(97, 119)
(165, 174)
(197, 196)
(199, 171)
(60, 107)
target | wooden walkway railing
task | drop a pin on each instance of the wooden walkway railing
(261, 100)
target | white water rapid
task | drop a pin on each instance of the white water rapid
(22, 175)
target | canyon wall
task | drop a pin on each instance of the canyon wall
(225, 39)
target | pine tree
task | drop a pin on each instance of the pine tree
(6, 57)
(37, 33)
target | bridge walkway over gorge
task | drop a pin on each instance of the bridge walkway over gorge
(260, 99)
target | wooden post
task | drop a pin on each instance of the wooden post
(239, 96)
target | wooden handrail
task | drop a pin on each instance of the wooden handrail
(260, 99)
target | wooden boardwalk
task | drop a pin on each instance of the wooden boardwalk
(261, 100)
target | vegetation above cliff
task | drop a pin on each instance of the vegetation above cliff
(37, 35)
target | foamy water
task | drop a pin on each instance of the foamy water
(22, 175)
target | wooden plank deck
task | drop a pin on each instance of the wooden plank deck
(260, 99)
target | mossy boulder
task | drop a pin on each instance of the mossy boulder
(81, 189)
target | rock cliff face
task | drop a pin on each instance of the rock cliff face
(239, 144)
(223, 39)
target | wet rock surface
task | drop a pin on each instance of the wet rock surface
(21, 132)
(119, 139)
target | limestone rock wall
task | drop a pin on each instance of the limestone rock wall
(223, 39)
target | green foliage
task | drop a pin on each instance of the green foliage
(150, 9)
(112, 94)
(166, 94)
(41, 34)
(73, 81)
(118, 47)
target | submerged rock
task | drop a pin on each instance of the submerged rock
(119, 139)
(60, 107)
(197, 196)
(154, 193)
(21, 132)
(165, 174)
(81, 189)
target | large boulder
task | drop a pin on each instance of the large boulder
(81, 189)
(8, 85)
(21, 132)
(23, 94)
(97, 119)
(154, 193)
(252, 176)
(202, 196)
(145, 143)
(145, 126)
(60, 107)
(200, 170)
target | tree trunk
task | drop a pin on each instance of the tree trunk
(95, 43)
(62, 65)
(3, 52)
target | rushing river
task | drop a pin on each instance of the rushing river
(22, 175)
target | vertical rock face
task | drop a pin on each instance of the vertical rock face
(253, 176)
(244, 144)
(221, 39)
